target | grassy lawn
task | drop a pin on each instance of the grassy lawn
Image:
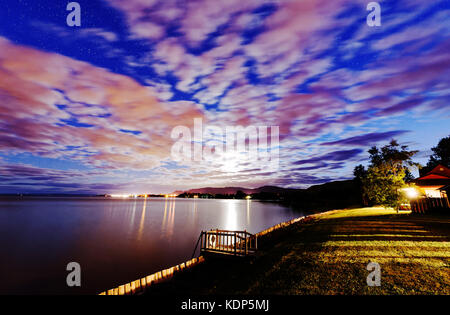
(329, 253)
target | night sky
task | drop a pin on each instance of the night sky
(90, 109)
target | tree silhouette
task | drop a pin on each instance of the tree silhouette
(441, 155)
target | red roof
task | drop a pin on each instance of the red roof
(440, 175)
(433, 176)
(440, 170)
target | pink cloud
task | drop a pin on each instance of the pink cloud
(252, 80)
(28, 108)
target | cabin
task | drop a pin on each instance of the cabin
(435, 183)
(436, 188)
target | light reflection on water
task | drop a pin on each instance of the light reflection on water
(248, 212)
(115, 241)
(169, 218)
(141, 224)
(231, 222)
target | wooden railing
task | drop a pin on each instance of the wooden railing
(236, 243)
(423, 205)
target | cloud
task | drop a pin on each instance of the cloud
(36, 101)
(341, 155)
(37, 179)
(99, 35)
(333, 85)
(367, 139)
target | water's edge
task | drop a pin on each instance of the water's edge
(140, 285)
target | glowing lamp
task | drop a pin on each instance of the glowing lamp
(411, 193)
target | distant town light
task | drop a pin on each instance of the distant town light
(120, 195)
(127, 195)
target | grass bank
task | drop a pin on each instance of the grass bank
(328, 254)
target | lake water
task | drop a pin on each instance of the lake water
(114, 240)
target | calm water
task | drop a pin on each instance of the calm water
(114, 240)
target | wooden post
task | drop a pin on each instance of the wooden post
(204, 239)
(127, 289)
(245, 244)
(235, 240)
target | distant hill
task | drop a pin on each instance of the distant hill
(234, 190)
(331, 195)
(221, 190)
(334, 186)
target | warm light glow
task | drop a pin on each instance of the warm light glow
(411, 192)
(248, 197)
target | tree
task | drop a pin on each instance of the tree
(441, 155)
(409, 177)
(240, 194)
(393, 156)
(360, 173)
(383, 187)
(385, 176)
